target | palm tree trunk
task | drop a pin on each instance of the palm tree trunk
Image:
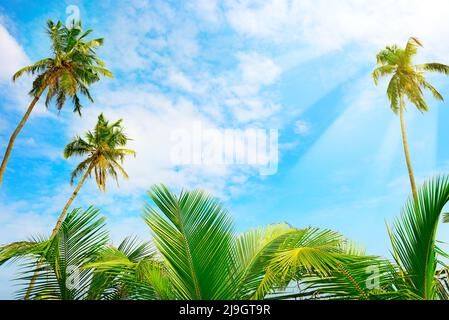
(56, 228)
(17, 131)
(406, 152)
(77, 189)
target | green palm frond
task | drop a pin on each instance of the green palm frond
(308, 251)
(35, 68)
(60, 276)
(117, 271)
(413, 236)
(254, 251)
(358, 278)
(438, 96)
(21, 250)
(411, 49)
(194, 236)
(407, 80)
(382, 71)
(446, 217)
(434, 67)
(104, 151)
(393, 93)
(73, 67)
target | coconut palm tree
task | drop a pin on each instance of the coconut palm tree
(67, 74)
(62, 275)
(103, 149)
(104, 153)
(407, 80)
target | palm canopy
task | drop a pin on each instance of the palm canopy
(65, 273)
(104, 151)
(199, 255)
(195, 254)
(418, 270)
(407, 79)
(72, 68)
(79, 240)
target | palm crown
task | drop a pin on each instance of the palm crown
(407, 79)
(73, 67)
(104, 150)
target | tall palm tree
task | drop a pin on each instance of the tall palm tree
(104, 153)
(71, 69)
(103, 149)
(407, 81)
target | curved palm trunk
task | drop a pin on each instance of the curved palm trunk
(16, 133)
(406, 152)
(57, 226)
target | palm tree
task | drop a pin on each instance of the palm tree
(73, 67)
(62, 274)
(407, 81)
(199, 256)
(103, 149)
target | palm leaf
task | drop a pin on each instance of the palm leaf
(193, 234)
(413, 236)
(78, 241)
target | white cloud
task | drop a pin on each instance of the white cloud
(150, 119)
(243, 89)
(257, 69)
(329, 25)
(12, 56)
(180, 80)
(19, 221)
(207, 10)
(302, 127)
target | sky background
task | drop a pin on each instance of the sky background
(300, 67)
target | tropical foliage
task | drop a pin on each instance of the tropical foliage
(196, 254)
(72, 68)
(104, 149)
(417, 268)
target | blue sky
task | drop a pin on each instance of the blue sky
(300, 67)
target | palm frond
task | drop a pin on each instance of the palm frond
(308, 251)
(194, 235)
(382, 71)
(434, 67)
(60, 275)
(254, 250)
(414, 236)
